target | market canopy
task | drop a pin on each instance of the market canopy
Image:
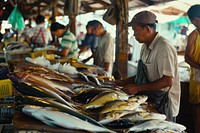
(30, 8)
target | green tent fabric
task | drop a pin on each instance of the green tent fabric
(16, 19)
(181, 20)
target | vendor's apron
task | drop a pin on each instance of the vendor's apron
(160, 98)
(35, 39)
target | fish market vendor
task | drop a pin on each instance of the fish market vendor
(68, 47)
(157, 74)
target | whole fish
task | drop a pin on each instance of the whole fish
(37, 79)
(16, 80)
(112, 116)
(117, 105)
(138, 98)
(103, 98)
(49, 71)
(48, 102)
(83, 77)
(28, 89)
(141, 116)
(157, 124)
(94, 79)
(87, 95)
(77, 88)
(54, 117)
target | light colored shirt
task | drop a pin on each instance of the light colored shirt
(69, 41)
(105, 52)
(161, 59)
(35, 35)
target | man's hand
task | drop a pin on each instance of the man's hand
(131, 89)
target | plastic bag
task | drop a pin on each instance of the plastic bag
(16, 19)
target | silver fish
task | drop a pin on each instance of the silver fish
(57, 96)
(111, 116)
(54, 117)
(83, 76)
(94, 79)
(141, 116)
(157, 124)
(37, 79)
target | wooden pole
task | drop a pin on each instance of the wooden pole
(122, 38)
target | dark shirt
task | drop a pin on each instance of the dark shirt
(1, 37)
(90, 40)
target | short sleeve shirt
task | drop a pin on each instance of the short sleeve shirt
(69, 41)
(36, 35)
(161, 59)
(105, 51)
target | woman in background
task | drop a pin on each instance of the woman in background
(192, 57)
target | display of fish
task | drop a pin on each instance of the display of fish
(45, 70)
(47, 102)
(65, 120)
(42, 81)
(157, 124)
(117, 105)
(141, 116)
(17, 81)
(104, 97)
(38, 91)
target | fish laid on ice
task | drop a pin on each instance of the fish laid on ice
(141, 116)
(53, 117)
(157, 124)
(103, 98)
(119, 105)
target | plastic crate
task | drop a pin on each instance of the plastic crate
(6, 88)
(7, 128)
(42, 53)
(37, 53)
(6, 110)
(6, 114)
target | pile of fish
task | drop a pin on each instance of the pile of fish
(57, 99)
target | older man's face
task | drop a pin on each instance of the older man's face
(140, 33)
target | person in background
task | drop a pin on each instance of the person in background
(89, 41)
(1, 35)
(39, 36)
(158, 61)
(192, 57)
(68, 46)
(104, 55)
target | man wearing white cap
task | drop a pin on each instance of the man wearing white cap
(157, 74)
